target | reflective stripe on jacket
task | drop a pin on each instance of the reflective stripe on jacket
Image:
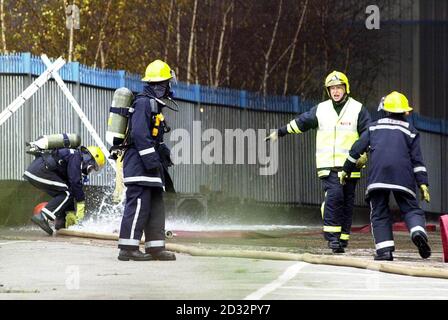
(396, 161)
(336, 133)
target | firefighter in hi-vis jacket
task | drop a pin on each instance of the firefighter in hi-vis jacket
(339, 121)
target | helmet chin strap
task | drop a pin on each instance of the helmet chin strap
(342, 101)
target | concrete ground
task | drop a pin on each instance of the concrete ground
(34, 266)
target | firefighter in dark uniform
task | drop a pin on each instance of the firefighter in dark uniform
(61, 173)
(396, 165)
(145, 170)
(339, 121)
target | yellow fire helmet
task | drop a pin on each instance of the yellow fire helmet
(395, 102)
(336, 78)
(157, 71)
(98, 155)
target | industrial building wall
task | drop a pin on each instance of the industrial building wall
(434, 58)
(296, 181)
(415, 33)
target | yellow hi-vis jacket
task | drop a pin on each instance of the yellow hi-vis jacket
(335, 133)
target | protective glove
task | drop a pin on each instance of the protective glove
(70, 219)
(80, 209)
(343, 177)
(425, 193)
(273, 136)
(361, 162)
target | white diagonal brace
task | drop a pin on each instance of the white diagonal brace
(32, 88)
(79, 111)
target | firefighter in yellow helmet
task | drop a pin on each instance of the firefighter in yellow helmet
(145, 169)
(61, 173)
(339, 122)
(396, 165)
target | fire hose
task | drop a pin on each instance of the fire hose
(341, 261)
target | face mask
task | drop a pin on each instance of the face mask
(88, 164)
(161, 89)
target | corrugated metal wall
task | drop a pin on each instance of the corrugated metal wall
(48, 111)
(295, 182)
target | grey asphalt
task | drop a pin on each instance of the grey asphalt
(41, 269)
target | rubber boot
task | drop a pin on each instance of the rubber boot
(344, 243)
(384, 256)
(135, 255)
(163, 255)
(42, 222)
(59, 223)
(335, 246)
(421, 241)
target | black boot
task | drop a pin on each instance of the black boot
(59, 223)
(344, 243)
(335, 246)
(163, 255)
(42, 222)
(384, 256)
(136, 255)
(421, 241)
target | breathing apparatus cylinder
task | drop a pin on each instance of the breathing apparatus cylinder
(55, 141)
(119, 116)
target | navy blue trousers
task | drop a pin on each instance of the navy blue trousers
(338, 207)
(382, 219)
(144, 212)
(61, 199)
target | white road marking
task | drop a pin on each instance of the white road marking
(12, 242)
(289, 273)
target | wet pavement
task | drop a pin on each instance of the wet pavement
(36, 266)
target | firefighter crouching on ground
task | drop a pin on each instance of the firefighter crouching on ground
(145, 170)
(61, 174)
(396, 164)
(339, 122)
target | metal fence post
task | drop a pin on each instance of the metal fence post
(122, 81)
(295, 103)
(197, 93)
(243, 99)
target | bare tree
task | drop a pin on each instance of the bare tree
(293, 49)
(3, 25)
(195, 59)
(229, 54)
(178, 38)
(219, 58)
(100, 49)
(191, 44)
(212, 41)
(168, 30)
(267, 54)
